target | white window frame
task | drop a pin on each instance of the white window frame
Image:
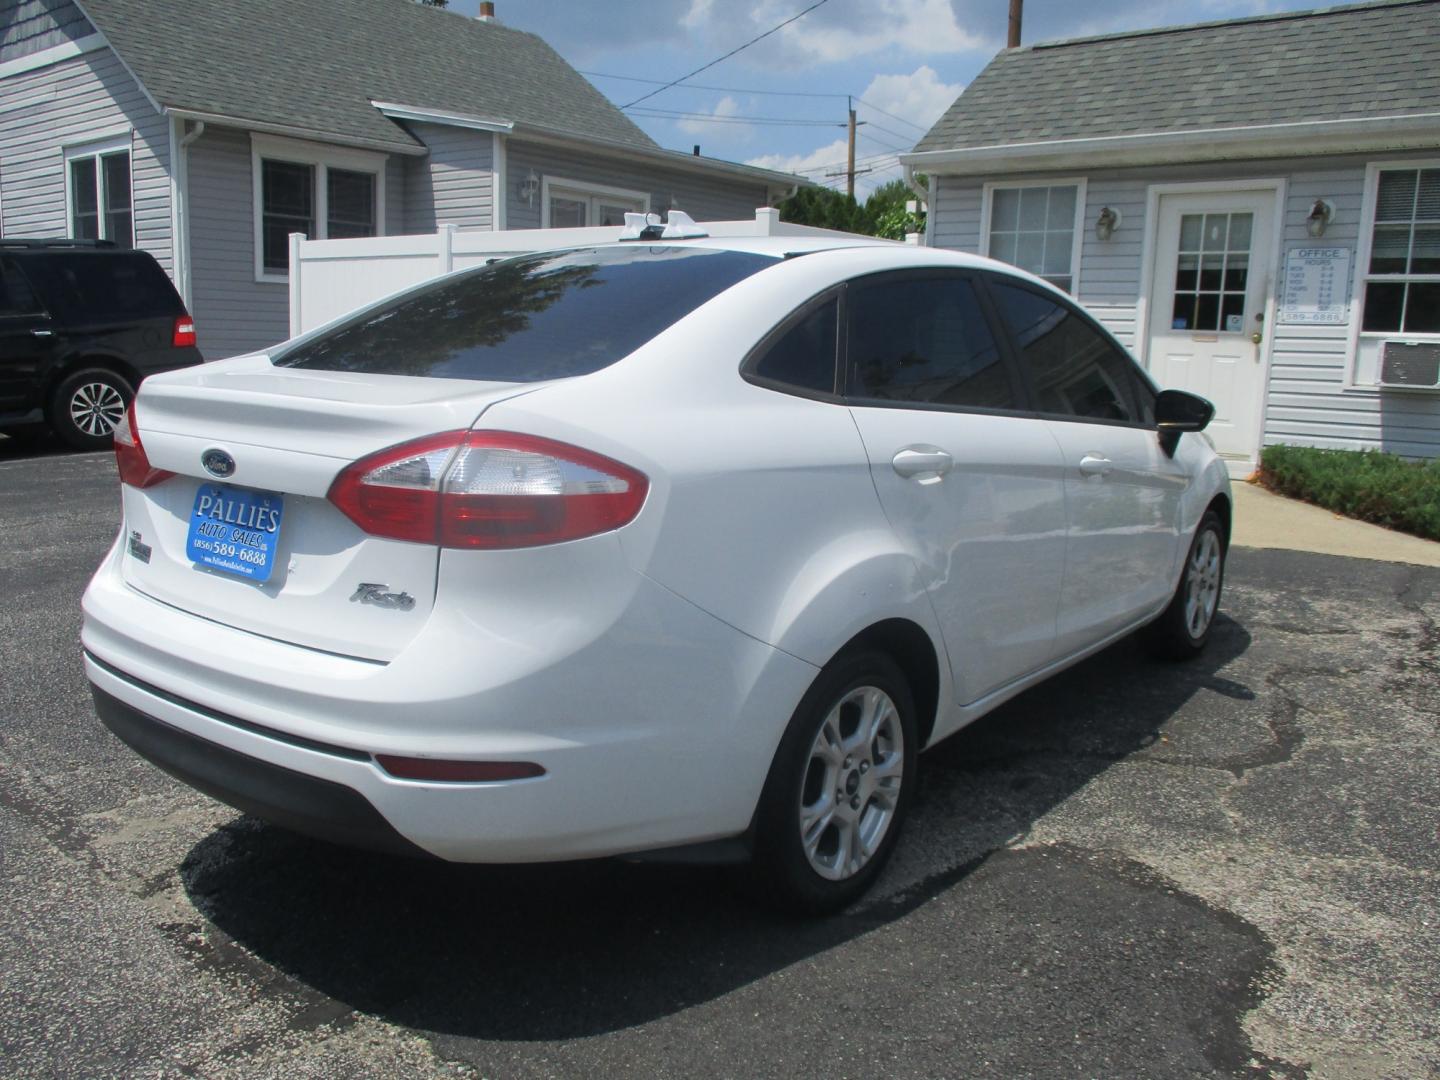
(114, 142)
(298, 152)
(585, 190)
(1361, 275)
(987, 203)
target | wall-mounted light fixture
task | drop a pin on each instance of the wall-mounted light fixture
(1322, 213)
(1107, 223)
(529, 188)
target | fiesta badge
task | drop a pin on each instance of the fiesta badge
(218, 463)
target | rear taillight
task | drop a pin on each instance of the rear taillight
(134, 467)
(184, 332)
(488, 489)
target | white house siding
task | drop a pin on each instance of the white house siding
(1306, 400)
(73, 102)
(452, 184)
(704, 198)
(31, 26)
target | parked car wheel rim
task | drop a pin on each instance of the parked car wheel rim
(1202, 584)
(96, 408)
(852, 783)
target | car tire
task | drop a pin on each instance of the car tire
(838, 789)
(87, 406)
(1183, 629)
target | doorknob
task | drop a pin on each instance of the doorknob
(1095, 465)
(1256, 337)
(918, 461)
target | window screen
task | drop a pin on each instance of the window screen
(924, 340)
(804, 355)
(1074, 369)
(546, 316)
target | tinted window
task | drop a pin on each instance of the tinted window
(804, 355)
(1074, 369)
(16, 296)
(924, 340)
(100, 287)
(536, 317)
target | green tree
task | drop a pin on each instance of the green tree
(822, 208)
(883, 213)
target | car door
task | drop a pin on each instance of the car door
(27, 340)
(971, 484)
(1122, 490)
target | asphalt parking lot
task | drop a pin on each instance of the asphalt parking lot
(1227, 868)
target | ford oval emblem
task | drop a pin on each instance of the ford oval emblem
(218, 463)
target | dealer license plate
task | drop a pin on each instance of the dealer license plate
(235, 530)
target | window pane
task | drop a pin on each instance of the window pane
(1391, 249)
(1240, 228)
(804, 356)
(1062, 208)
(288, 202)
(1237, 272)
(1187, 273)
(1428, 204)
(1216, 232)
(1033, 207)
(1396, 200)
(84, 202)
(1232, 313)
(1425, 252)
(117, 199)
(1030, 252)
(1383, 304)
(1207, 312)
(567, 213)
(1002, 247)
(1210, 267)
(1059, 246)
(16, 296)
(1184, 312)
(1191, 226)
(545, 316)
(1422, 308)
(927, 341)
(1034, 228)
(349, 204)
(1075, 370)
(613, 213)
(1005, 210)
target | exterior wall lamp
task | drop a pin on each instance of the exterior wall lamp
(529, 188)
(1107, 223)
(1319, 218)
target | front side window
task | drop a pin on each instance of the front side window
(924, 341)
(1034, 228)
(1402, 281)
(1074, 370)
(100, 197)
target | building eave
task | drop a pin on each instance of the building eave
(1304, 139)
(418, 114)
(413, 149)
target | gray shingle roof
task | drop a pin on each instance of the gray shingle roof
(1364, 60)
(317, 65)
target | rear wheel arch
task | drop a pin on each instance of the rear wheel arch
(80, 361)
(911, 647)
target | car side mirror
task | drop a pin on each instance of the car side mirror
(1177, 411)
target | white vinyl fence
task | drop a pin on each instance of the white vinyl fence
(329, 278)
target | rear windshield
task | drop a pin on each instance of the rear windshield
(536, 317)
(105, 287)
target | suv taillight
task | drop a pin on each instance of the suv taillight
(488, 489)
(134, 467)
(184, 332)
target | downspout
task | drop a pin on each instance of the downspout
(181, 241)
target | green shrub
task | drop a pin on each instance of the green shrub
(1365, 484)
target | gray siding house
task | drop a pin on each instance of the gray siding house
(1252, 206)
(205, 132)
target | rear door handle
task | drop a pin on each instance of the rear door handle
(922, 462)
(43, 333)
(1095, 465)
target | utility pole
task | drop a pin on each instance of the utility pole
(850, 154)
(1017, 10)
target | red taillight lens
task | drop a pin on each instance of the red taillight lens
(488, 489)
(450, 770)
(130, 460)
(184, 332)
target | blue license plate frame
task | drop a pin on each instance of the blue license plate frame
(235, 530)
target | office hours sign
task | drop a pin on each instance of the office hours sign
(1316, 287)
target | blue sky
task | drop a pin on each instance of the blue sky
(781, 103)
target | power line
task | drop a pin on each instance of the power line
(886, 145)
(721, 89)
(732, 52)
(892, 116)
(711, 118)
(908, 140)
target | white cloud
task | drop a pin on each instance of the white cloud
(821, 165)
(919, 97)
(921, 27)
(724, 108)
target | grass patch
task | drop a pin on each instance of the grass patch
(1365, 484)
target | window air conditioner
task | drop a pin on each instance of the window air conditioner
(1410, 365)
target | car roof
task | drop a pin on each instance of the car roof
(886, 253)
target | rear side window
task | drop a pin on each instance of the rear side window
(547, 316)
(803, 356)
(103, 287)
(16, 296)
(1075, 370)
(924, 341)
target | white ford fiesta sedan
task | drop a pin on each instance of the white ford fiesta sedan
(683, 548)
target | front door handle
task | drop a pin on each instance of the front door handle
(1095, 465)
(43, 333)
(926, 462)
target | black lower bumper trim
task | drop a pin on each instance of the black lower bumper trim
(293, 800)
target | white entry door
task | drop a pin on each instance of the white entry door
(1214, 268)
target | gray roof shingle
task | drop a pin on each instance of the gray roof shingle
(317, 64)
(1362, 60)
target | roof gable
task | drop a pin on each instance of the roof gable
(1370, 60)
(317, 65)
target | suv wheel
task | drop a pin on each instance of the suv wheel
(839, 787)
(87, 406)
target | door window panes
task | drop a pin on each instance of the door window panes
(1402, 289)
(1034, 228)
(925, 341)
(100, 198)
(1212, 273)
(1073, 368)
(804, 355)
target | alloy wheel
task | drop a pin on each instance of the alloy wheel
(96, 408)
(1202, 584)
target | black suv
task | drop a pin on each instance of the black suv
(81, 323)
